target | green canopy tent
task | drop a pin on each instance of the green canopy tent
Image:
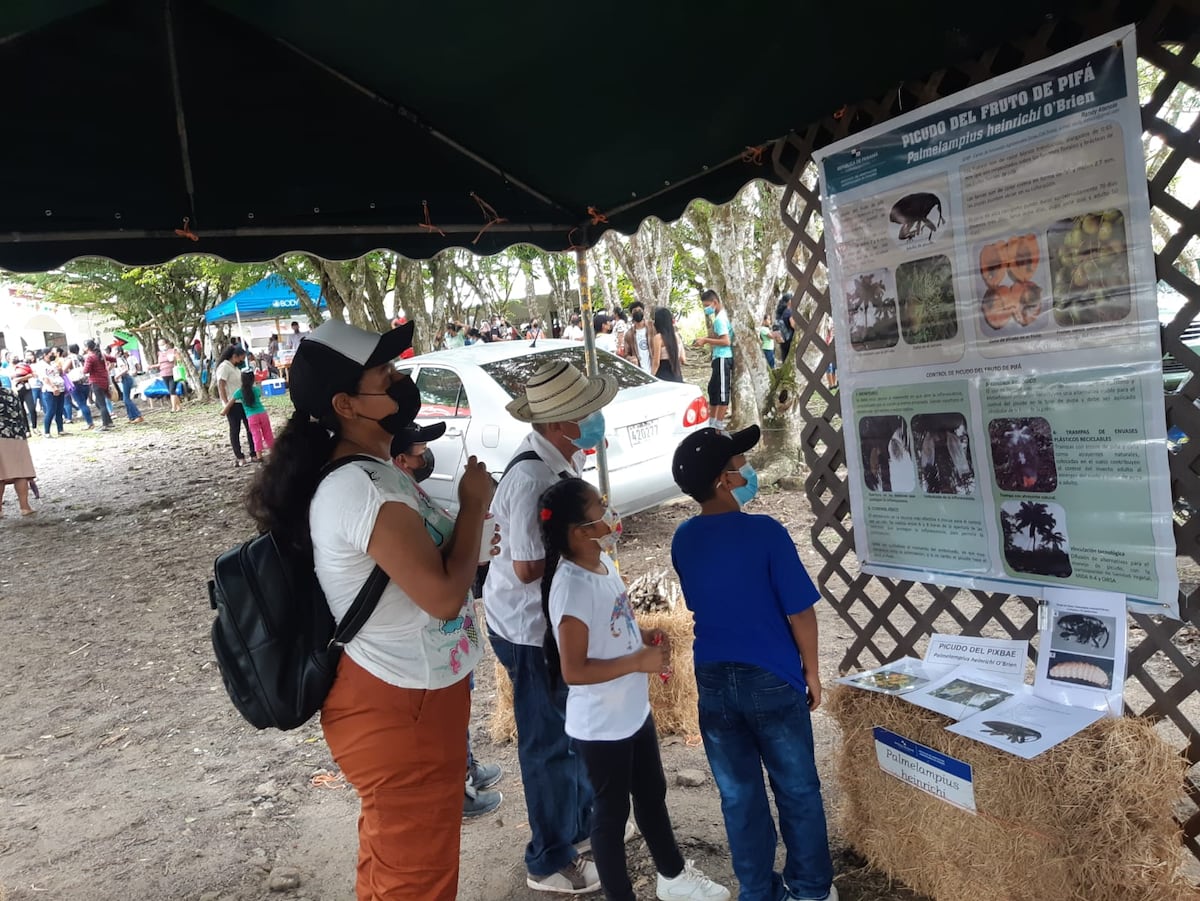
(144, 129)
(262, 127)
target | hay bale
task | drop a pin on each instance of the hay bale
(673, 703)
(503, 725)
(1090, 819)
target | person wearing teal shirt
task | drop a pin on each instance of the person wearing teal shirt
(257, 418)
(720, 339)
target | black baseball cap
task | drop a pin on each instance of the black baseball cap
(403, 441)
(332, 358)
(702, 456)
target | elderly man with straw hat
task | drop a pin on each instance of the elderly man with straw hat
(564, 407)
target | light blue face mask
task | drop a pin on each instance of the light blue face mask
(591, 431)
(744, 494)
(708, 311)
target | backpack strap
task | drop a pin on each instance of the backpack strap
(527, 456)
(368, 596)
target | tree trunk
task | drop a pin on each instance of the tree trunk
(410, 296)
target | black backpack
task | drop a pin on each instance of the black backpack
(276, 642)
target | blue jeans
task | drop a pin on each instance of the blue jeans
(79, 393)
(52, 404)
(769, 355)
(750, 719)
(131, 409)
(558, 796)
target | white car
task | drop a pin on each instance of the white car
(468, 387)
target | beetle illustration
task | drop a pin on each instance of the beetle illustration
(911, 213)
(1084, 629)
(1018, 735)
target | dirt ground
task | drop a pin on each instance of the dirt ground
(124, 770)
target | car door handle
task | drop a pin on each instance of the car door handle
(454, 433)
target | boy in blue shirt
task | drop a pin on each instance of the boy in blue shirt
(756, 669)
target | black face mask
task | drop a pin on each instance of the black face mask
(425, 470)
(408, 399)
(638, 315)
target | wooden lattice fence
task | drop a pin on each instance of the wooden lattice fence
(890, 618)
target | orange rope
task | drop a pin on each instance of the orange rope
(489, 213)
(598, 218)
(328, 780)
(840, 113)
(186, 231)
(754, 154)
(571, 245)
(428, 223)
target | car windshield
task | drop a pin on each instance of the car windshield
(514, 373)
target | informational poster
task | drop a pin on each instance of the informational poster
(1083, 650)
(995, 318)
(897, 677)
(1025, 725)
(965, 691)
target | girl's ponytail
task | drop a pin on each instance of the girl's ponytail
(549, 645)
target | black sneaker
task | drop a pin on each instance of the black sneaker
(484, 775)
(479, 803)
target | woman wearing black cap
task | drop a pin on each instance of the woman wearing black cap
(398, 711)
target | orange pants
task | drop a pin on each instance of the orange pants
(405, 751)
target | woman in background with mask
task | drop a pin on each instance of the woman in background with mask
(398, 710)
(413, 457)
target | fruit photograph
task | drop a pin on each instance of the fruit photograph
(1089, 268)
(1013, 286)
(925, 289)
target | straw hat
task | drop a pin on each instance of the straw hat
(558, 392)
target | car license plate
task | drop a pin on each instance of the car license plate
(643, 431)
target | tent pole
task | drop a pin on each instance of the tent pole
(238, 313)
(589, 355)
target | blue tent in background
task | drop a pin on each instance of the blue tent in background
(269, 299)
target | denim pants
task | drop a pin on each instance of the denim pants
(558, 796)
(769, 356)
(52, 404)
(79, 396)
(618, 769)
(131, 409)
(100, 399)
(32, 399)
(751, 719)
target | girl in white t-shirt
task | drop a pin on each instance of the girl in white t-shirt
(594, 641)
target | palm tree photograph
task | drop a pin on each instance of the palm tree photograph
(1035, 539)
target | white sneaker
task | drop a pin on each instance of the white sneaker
(691, 883)
(832, 896)
(579, 877)
(631, 831)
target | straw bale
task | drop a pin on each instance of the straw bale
(1090, 819)
(503, 725)
(673, 702)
